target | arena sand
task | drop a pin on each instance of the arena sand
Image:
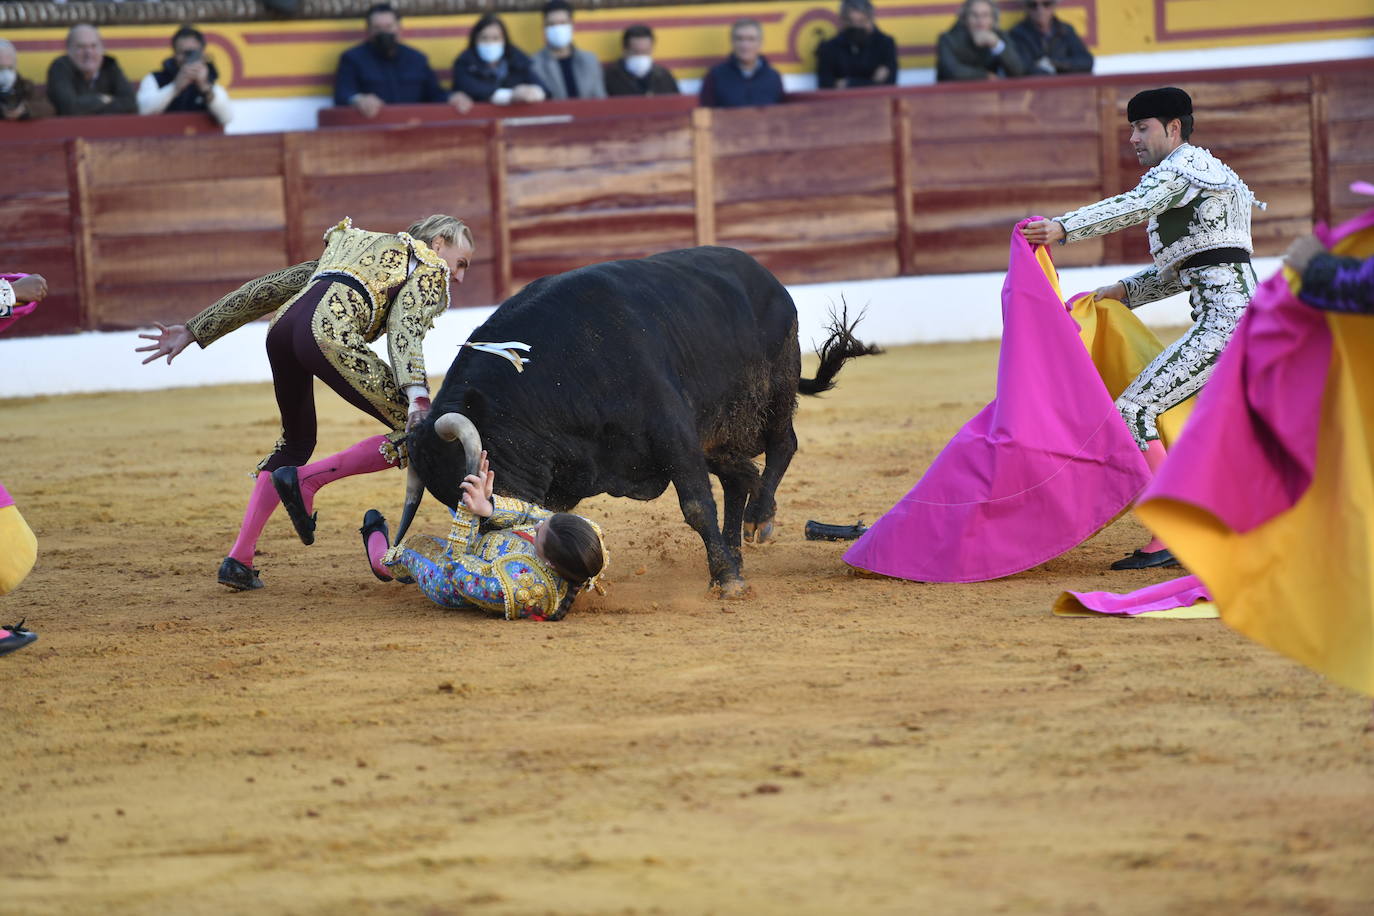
(331, 744)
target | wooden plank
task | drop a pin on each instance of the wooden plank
(83, 249)
(903, 185)
(1350, 96)
(498, 205)
(598, 142)
(1350, 141)
(459, 151)
(861, 259)
(788, 173)
(798, 127)
(1321, 151)
(641, 184)
(815, 220)
(209, 256)
(227, 204)
(980, 164)
(985, 249)
(295, 197)
(1002, 113)
(37, 215)
(33, 167)
(1110, 143)
(605, 234)
(153, 160)
(949, 209)
(703, 176)
(54, 258)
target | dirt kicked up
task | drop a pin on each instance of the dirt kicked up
(331, 744)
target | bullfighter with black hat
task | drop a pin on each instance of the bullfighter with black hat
(1199, 228)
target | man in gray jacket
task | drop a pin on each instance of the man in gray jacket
(566, 71)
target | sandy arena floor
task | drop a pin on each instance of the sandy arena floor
(331, 744)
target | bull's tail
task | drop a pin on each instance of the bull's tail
(840, 347)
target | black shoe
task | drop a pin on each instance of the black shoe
(288, 487)
(373, 522)
(18, 638)
(1147, 560)
(237, 576)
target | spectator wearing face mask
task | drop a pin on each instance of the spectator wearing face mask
(636, 73)
(564, 70)
(20, 99)
(382, 71)
(186, 82)
(491, 69)
(860, 55)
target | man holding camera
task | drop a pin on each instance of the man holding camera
(186, 82)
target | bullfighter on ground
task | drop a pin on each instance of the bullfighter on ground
(327, 312)
(1199, 227)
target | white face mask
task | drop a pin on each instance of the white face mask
(639, 65)
(7, 78)
(558, 36)
(491, 51)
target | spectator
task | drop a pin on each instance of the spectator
(636, 73)
(1047, 44)
(381, 71)
(86, 81)
(186, 82)
(860, 55)
(1329, 281)
(975, 49)
(745, 78)
(492, 69)
(20, 99)
(566, 72)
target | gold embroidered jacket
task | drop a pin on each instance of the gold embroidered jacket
(400, 301)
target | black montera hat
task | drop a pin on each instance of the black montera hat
(1166, 104)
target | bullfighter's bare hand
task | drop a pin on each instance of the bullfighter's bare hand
(168, 342)
(477, 489)
(1043, 231)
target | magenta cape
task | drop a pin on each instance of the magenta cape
(1039, 470)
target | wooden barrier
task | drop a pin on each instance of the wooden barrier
(864, 184)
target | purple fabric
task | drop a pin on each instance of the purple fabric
(1339, 284)
(1163, 596)
(1261, 410)
(5, 498)
(1039, 470)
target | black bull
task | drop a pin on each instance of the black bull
(642, 373)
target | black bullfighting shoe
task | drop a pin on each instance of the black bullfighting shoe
(375, 523)
(16, 637)
(818, 531)
(288, 487)
(1142, 559)
(237, 576)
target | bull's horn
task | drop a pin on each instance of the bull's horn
(415, 490)
(454, 426)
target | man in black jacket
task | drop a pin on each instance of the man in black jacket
(86, 81)
(1048, 44)
(636, 73)
(859, 55)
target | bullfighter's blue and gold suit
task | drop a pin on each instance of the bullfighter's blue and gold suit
(487, 563)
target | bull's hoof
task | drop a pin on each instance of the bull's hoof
(732, 589)
(758, 533)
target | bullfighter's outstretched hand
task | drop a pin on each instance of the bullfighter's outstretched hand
(168, 342)
(477, 488)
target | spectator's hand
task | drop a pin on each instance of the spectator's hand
(199, 73)
(30, 289)
(1301, 252)
(15, 113)
(1115, 291)
(527, 93)
(985, 39)
(842, 83)
(461, 101)
(1042, 232)
(1044, 65)
(106, 99)
(368, 105)
(881, 74)
(167, 342)
(992, 76)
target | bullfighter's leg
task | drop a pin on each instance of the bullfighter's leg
(422, 561)
(780, 446)
(690, 478)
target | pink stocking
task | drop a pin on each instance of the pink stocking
(363, 458)
(260, 506)
(1154, 457)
